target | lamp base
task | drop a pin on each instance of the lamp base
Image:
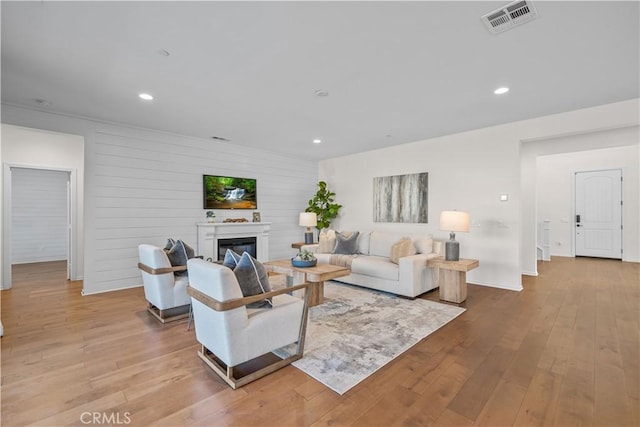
(452, 250)
(308, 237)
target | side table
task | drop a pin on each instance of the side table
(452, 277)
(299, 245)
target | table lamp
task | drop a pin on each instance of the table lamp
(308, 219)
(453, 221)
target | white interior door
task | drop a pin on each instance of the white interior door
(598, 219)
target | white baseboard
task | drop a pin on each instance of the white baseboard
(517, 288)
(84, 294)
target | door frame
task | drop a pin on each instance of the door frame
(72, 203)
(573, 208)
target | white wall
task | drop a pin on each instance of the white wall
(469, 171)
(41, 149)
(39, 229)
(555, 189)
(143, 186)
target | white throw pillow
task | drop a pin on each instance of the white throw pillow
(424, 245)
(327, 241)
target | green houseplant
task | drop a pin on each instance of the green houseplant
(322, 204)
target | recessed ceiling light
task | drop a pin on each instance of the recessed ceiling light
(322, 92)
(501, 90)
(317, 141)
(145, 96)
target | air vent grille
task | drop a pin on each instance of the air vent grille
(220, 138)
(509, 16)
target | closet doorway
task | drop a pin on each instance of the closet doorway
(39, 216)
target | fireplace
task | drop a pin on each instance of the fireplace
(210, 233)
(238, 245)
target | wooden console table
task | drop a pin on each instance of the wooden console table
(316, 275)
(452, 277)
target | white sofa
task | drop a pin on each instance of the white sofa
(371, 267)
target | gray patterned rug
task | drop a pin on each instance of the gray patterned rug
(357, 331)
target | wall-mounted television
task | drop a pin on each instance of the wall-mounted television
(227, 192)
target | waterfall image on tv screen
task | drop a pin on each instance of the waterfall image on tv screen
(226, 192)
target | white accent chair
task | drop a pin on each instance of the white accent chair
(166, 293)
(231, 334)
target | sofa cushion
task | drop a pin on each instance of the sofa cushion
(375, 266)
(402, 248)
(381, 242)
(363, 243)
(326, 241)
(346, 243)
(253, 279)
(423, 244)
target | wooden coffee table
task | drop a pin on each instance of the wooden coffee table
(316, 275)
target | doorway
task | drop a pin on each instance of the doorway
(598, 213)
(37, 229)
(40, 224)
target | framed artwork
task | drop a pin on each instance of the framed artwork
(256, 217)
(401, 198)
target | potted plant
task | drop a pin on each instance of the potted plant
(211, 216)
(304, 258)
(322, 204)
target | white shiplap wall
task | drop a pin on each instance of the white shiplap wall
(39, 215)
(143, 187)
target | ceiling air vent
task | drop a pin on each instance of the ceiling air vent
(220, 138)
(509, 16)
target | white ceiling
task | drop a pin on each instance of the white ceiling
(396, 72)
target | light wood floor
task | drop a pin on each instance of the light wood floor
(565, 351)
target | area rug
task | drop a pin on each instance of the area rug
(357, 331)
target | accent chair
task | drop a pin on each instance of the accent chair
(231, 334)
(165, 292)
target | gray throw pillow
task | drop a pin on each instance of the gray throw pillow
(169, 245)
(230, 259)
(346, 243)
(253, 279)
(179, 254)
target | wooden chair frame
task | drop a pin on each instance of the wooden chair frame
(170, 314)
(227, 373)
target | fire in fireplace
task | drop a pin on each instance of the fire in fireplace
(238, 245)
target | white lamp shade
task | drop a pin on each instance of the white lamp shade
(308, 219)
(454, 221)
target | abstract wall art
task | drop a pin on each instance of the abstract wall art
(401, 198)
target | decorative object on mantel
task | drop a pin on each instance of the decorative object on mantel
(211, 216)
(401, 198)
(256, 217)
(308, 219)
(322, 204)
(236, 220)
(304, 258)
(453, 221)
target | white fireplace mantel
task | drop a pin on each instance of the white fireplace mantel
(209, 233)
